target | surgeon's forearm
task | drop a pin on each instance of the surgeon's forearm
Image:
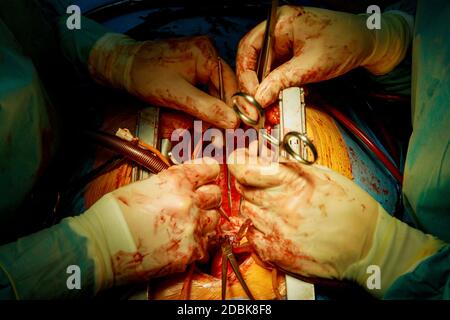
(390, 42)
(105, 54)
(41, 27)
(39, 266)
(396, 249)
(429, 280)
(76, 43)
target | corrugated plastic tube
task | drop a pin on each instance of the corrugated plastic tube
(127, 149)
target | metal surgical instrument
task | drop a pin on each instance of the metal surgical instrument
(294, 140)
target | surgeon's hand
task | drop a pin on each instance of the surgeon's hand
(315, 222)
(166, 72)
(307, 220)
(153, 227)
(312, 45)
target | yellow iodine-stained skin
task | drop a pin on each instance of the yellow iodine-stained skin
(327, 139)
(207, 287)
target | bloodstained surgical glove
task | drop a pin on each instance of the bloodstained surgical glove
(313, 221)
(165, 73)
(152, 227)
(312, 45)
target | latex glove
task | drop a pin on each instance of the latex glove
(165, 73)
(152, 227)
(312, 45)
(315, 222)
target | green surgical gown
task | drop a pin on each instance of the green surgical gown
(32, 33)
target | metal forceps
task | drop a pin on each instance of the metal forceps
(293, 139)
(228, 256)
(226, 246)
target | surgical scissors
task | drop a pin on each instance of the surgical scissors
(263, 69)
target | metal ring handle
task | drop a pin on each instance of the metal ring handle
(258, 123)
(304, 138)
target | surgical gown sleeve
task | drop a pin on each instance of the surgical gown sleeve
(39, 266)
(36, 266)
(41, 26)
(427, 170)
(429, 280)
